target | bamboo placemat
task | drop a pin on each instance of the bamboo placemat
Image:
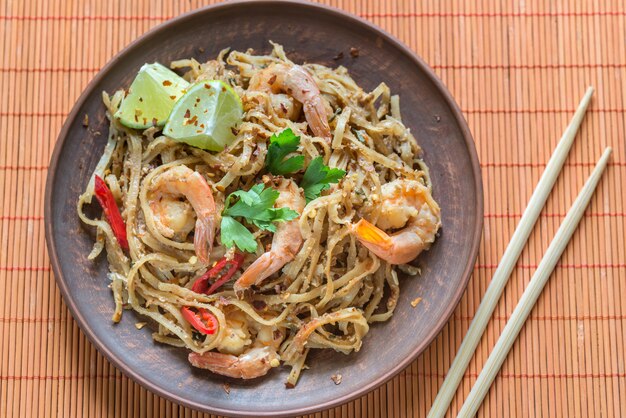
(517, 69)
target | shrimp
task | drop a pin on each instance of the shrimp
(285, 244)
(173, 217)
(406, 204)
(253, 362)
(297, 83)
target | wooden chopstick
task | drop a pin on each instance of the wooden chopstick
(533, 290)
(507, 263)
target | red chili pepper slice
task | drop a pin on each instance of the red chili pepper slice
(202, 284)
(203, 321)
(111, 211)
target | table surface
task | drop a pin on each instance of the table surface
(517, 69)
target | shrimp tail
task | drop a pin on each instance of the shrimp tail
(399, 248)
(374, 238)
(203, 238)
(264, 266)
(315, 114)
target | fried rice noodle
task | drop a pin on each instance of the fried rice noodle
(333, 288)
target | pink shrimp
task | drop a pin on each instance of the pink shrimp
(297, 83)
(406, 204)
(253, 361)
(171, 217)
(285, 244)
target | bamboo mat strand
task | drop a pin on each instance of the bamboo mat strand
(517, 69)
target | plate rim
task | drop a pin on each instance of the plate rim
(366, 388)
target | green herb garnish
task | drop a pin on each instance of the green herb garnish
(318, 177)
(282, 145)
(255, 206)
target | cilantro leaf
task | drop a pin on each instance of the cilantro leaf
(252, 204)
(257, 207)
(281, 145)
(250, 197)
(318, 177)
(284, 214)
(266, 225)
(234, 233)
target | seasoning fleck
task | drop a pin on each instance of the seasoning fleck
(354, 52)
(415, 302)
(167, 83)
(336, 378)
(259, 305)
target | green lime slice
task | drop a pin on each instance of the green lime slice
(206, 116)
(151, 97)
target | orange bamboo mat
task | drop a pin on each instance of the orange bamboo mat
(517, 68)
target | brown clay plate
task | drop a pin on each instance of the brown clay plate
(309, 33)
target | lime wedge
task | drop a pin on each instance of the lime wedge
(151, 97)
(206, 116)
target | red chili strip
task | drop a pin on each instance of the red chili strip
(202, 284)
(111, 211)
(203, 321)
